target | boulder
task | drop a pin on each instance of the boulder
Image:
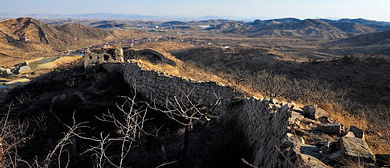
(310, 150)
(330, 128)
(359, 133)
(23, 69)
(310, 157)
(353, 148)
(312, 162)
(311, 111)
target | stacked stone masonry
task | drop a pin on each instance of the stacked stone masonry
(264, 131)
(157, 88)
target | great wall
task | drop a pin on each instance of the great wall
(275, 132)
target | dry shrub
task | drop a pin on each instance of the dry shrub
(341, 116)
(378, 144)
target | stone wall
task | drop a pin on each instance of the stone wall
(157, 87)
(269, 128)
(264, 131)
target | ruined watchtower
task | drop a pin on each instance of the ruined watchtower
(103, 55)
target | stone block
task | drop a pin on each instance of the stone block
(330, 147)
(310, 150)
(359, 133)
(311, 111)
(330, 128)
(353, 148)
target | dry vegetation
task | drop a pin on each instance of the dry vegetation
(275, 77)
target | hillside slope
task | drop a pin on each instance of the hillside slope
(25, 38)
(380, 38)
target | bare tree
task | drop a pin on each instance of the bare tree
(271, 84)
(129, 125)
(188, 113)
(12, 135)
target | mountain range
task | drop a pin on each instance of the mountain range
(308, 28)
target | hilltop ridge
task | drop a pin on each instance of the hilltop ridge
(309, 28)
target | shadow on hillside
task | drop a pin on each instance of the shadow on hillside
(364, 79)
(48, 103)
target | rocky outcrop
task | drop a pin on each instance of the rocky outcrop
(353, 148)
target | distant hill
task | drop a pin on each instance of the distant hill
(353, 28)
(360, 21)
(309, 28)
(377, 25)
(284, 20)
(110, 24)
(27, 37)
(379, 38)
(25, 31)
(210, 22)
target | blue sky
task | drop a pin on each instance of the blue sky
(368, 9)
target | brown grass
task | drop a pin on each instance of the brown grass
(343, 117)
(185, 71)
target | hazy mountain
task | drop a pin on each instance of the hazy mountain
(365, 22)
(377, 25)
(306, 28)
(284, 20)
(309, 28)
